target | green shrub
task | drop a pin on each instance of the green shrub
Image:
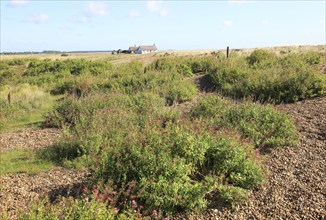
(69, 208)
(260, 57)
(180, 91)
(212, 106)
(263, 124)
(17, 62)
(185, 70)
(232, 195)
(228, 156)
(312, 58)
(162, 178)
(288, 79)
(184, 65)
(65, 113)
(164, 157)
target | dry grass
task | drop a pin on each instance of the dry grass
(148, 58)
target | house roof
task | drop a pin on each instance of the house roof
(133, 48)
(147, 47)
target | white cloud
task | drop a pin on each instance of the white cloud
(237, 1)
(79, 19)
(153, 6)
(265, 22)
(38, 18)
(164, 13)
(133, 13)
(65, 28)
(95, 8)
(14, 3)
(92, 9)
(228, 23)
(159, 7)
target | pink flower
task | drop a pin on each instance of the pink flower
(154, 212)
(85, 190)
(141, 206)
(94, 187)
(133, 203)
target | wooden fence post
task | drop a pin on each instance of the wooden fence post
(9, 98)
(227, 52)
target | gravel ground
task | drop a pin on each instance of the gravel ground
(295, 188)
(18, 190)
(28, 138)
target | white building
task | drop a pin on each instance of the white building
(146, 49)
(133, 49)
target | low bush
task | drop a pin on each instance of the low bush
(165, 158)
(261, 57)
(69, 208)
(184, 65)
(171, 160)
(263, 124)
(232, 195)
(265, 77)
(65, 113)
(180, 91)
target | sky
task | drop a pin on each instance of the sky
(66, 25)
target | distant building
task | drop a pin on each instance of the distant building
(114, 52)
(133, 49)
(146, 49)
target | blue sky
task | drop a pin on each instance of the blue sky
(35, 25)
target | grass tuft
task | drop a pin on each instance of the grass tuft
(22, 161)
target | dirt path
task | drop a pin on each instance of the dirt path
(19, 190)
(296, 186)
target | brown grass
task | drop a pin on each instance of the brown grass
(148, 58)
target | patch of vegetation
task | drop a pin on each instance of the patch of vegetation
(184, 65)
(265, 77)
(23, 105)
(132, 140)
(22, 161)
(263, 124)
(149, 160)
